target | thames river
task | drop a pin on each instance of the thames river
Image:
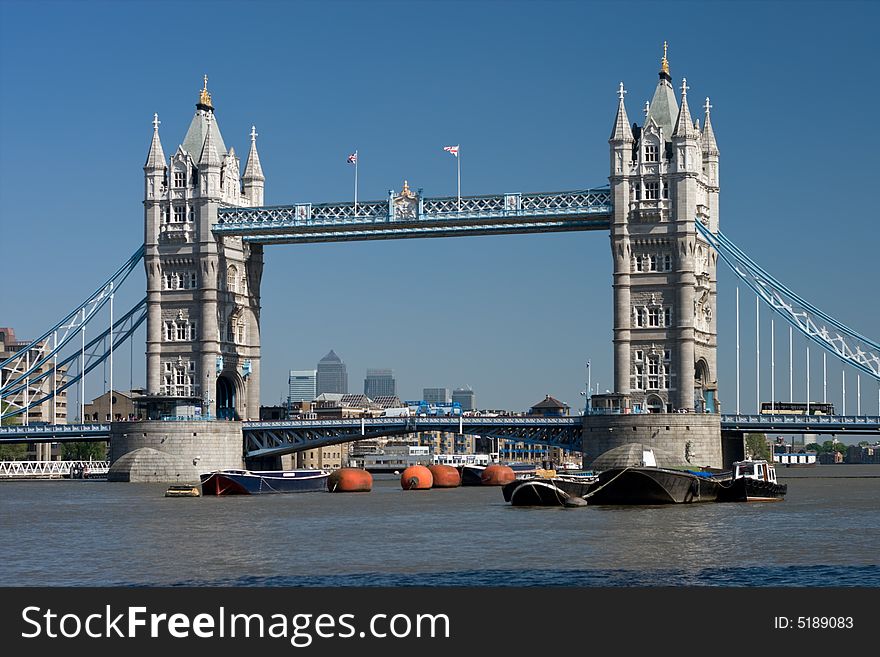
(93, 533)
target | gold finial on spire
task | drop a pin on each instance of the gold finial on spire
(664, 63)
(205, 96)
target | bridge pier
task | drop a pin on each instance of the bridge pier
(690, 439)
(172, 452)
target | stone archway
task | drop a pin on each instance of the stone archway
(654, 404)
(702, 395)
(227, 397)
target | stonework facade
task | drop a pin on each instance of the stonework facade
(663, 179)
(203, 292)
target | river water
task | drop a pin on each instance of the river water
(93, 533)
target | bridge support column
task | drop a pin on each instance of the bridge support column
(173, 452)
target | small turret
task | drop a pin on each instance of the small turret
(155, 169)
(253, 178)
(209, 164)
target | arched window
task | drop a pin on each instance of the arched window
(232, 279)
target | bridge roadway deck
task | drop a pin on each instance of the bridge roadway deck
(414, 216)
(279, 437)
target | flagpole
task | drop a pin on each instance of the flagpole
(458, 163)
(355, 183)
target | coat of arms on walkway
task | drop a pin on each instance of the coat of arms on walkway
(406, 204)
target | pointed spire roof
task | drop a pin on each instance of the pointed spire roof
(709, 144)
(209, 156)
(622, 130)
(253, 170)
(663, 108)
(684, 125)
(330, 358)
(156, 156)
(197, 133)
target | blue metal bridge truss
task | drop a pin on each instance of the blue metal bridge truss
(587, 209)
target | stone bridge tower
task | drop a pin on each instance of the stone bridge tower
(203, 292)
(664, 178)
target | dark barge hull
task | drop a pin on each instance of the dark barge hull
(248, 482)
(746, 489)
(544, 491)
(648, 486)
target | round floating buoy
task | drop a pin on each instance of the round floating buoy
(350, 480)
(416, 477)
(445, 476)
(497, 475)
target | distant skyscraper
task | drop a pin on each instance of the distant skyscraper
(331, 375)
(379, 383)
(465, 397)
(302, 385)
(436, 395)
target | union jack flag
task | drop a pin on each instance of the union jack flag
(353, 158)
(451, 149)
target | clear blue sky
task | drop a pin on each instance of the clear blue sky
(528, 90)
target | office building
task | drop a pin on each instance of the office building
(465, 398)
(436, 395)
(379, 383)
(302, 386)
(331, 375)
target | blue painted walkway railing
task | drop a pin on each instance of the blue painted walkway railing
(409, 215)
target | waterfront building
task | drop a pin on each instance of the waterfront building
(380, 383)
(51, 411)
(436, 395)
(302, 385)
(322, 458)
(124, 409)
(465, 397)
(549, 407)
(331, 375)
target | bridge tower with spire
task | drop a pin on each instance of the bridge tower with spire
(663, 179)
(203, 290)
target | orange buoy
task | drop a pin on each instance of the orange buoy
(350, 480)
(497, 475)
(445, 476)
(416, 477)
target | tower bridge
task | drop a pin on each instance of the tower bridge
(206, 227)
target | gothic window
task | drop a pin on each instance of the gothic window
(652, 190)
(653, 316)
(192, 214)
(667, 317)
(239, 332)
(638, 379)
(667, 262)
(653, 373)
(652, 262)
(169, 335)
(192, 332)
(179, 214)
(665, 191)
(180, 178)
(640, 266)
(168, 367)
(192, 279)
(652, 153)
(640, 355)
(640, 317)
(181, 331)
(232, 279)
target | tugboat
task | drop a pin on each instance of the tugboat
(751, 481)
